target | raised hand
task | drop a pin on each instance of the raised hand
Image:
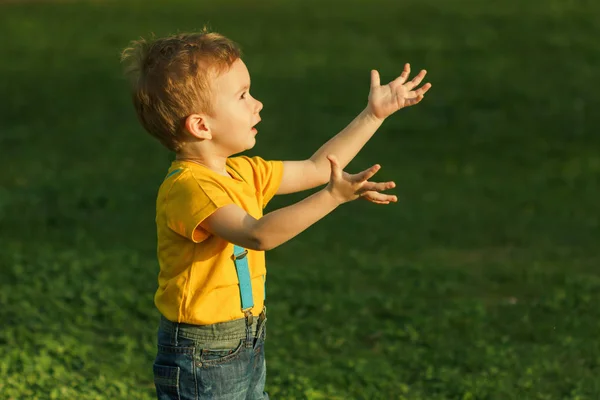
(387, 99)
(346, 187)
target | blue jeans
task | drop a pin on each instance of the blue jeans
(220, 361)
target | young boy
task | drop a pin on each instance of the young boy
(192, 92)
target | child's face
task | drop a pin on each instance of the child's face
(235, 111)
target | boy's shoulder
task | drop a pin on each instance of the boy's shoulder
(188, 179)
(187, 192)
(247, 162)
(195, 179)
(184, 180)
(256, 168)
(244, 166)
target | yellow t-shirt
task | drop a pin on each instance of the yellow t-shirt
(197, 283)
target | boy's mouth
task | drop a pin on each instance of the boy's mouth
(254, 127)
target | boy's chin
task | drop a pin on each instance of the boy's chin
(251, 143)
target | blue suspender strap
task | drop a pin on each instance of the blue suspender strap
(241, 266)
(240, 260)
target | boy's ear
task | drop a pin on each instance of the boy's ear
(197, 125)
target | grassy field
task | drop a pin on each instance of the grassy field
(481, 283)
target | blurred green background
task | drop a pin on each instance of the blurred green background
(482, 282)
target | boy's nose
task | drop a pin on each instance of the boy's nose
(259, 106)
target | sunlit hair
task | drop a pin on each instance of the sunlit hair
(170, 79)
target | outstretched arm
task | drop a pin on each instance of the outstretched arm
(383, 101)
(235, 225)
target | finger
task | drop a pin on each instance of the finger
(389, 198)
(412, 102)
(336, 171)
(404, 75)
(378, 186)
(422, 90)
(416, 80)
(367, 173)
(379, 198)
(378, 202)
(375, 80)
(372, 195)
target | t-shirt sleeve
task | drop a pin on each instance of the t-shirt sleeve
(190, 202)
(267, 177)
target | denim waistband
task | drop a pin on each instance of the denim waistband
(233, 330)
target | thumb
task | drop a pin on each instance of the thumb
(335, 167)
(375, 81)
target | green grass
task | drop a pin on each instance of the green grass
(481, 283)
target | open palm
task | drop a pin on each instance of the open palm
(387, 99)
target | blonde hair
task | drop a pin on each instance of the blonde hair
(170, 79)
